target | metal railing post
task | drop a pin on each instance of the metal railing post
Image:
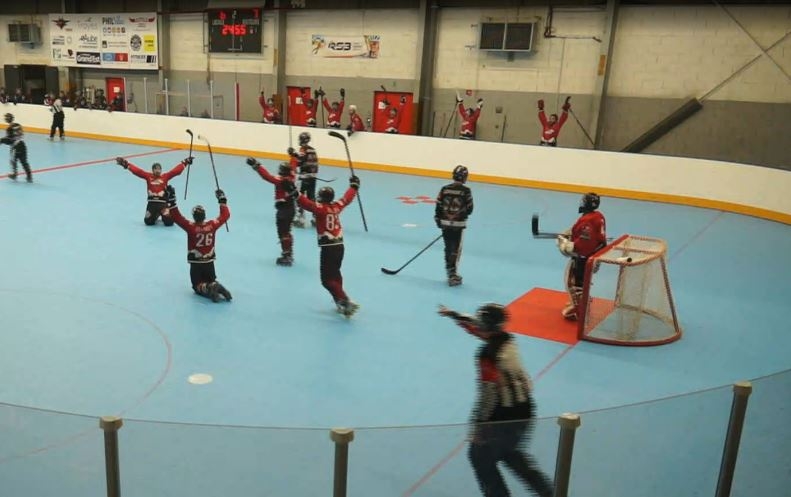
(342, 438)
(568, 427)
(741, 394)
(111, 425)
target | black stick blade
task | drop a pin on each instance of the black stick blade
(189, 132)
(388, 271)
(335, 134)
(534, 224)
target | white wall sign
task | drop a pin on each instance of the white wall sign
(121, 41)
(346, 47)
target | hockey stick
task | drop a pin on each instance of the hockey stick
(450, 119)
(326, 180)
(187, 183)
(582, 128)
(213, 168)
(342, 138)
(537, 233)
(321, 104)
(395, 271)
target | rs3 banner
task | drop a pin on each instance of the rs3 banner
(346, 47)
(120, 41)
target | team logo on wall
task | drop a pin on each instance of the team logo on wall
(345, 47)
(136, 43)
(60, 22)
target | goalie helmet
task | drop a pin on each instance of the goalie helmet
(589, 202)
(460, 174)
(325, 195)
(9, 118)
(304, 138)
(198, 213)
(491, 316)
(284, 169)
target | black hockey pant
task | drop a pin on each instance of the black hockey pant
(19, 154)
(452, 238)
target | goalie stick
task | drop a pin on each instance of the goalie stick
(396, 271)
(342, 138)
(545, 234)
(214, 169)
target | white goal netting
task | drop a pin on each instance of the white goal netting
(626, 298)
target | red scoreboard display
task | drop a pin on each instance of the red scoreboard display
(234, 30)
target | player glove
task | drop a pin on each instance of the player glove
(567, 105)
(343, 93)
(253, 163)
(354, 182)
(188, 161)
(458, 98)
(291, 151)
(221, 197)
(122, 162)
(565, 246)
(480, 103)
(171, 196)
(541, 104)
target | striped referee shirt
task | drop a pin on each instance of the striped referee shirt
(57, 106)
(504, 388)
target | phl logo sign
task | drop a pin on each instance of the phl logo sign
(346, 47)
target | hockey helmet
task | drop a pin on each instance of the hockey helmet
(460, 174)
(589, 202)
(491, 316)
(198, 213)
(284, 169)
(304, 138)
(325, 195)
(9, 118)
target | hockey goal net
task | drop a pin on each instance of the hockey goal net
(626, 297)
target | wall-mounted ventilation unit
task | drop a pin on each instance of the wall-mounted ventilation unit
(507, 36)
(24, 33)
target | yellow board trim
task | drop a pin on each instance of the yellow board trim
(665, 198)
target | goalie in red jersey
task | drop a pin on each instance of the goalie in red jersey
(550, 128)
(200, 245)
(157, 186)
(585, 238)
(330, 234)
(284, 205)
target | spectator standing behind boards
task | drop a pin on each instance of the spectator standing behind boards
(117, 104)
(551, 127)
(356, 123)
(469, 118)
(19, 97)
(334, 111)
(393, 122)
(270, 113)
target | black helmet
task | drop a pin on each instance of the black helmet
(284, 169)
(198, 213)
(460, 174)
(589, 202)
(325, 195)
(492, 316)
(9, 118)
(304, 138)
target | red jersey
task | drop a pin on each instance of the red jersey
(468, 122)
(310, 116)
(357, 122)
(393, 123)
(157, 184)
(333, 116)
(328, 219)
(281, 195)
(589, 233)
(550, 133)
(271, 114)
(200, 237)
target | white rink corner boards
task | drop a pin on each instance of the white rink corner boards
(744, 189)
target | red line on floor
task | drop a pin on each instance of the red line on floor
(97, 161)
(434, 469)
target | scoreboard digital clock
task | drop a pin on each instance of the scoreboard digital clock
(234, 30)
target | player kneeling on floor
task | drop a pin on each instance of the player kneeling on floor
(200, 246)
(156, 187)
(330, 234)
(285, 191)
(585, 238)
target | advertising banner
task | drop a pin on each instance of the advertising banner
(346, 47)
(118, 41)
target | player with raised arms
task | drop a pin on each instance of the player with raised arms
(585, 238)
(284, 206)
(201, 236)
(550, 128)
(157, 188)
(330, 235)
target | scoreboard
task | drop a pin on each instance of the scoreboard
(234, 30)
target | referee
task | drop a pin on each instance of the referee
(57, 118)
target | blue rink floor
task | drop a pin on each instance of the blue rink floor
(98, 318)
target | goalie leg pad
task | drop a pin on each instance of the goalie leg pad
(574, 289)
